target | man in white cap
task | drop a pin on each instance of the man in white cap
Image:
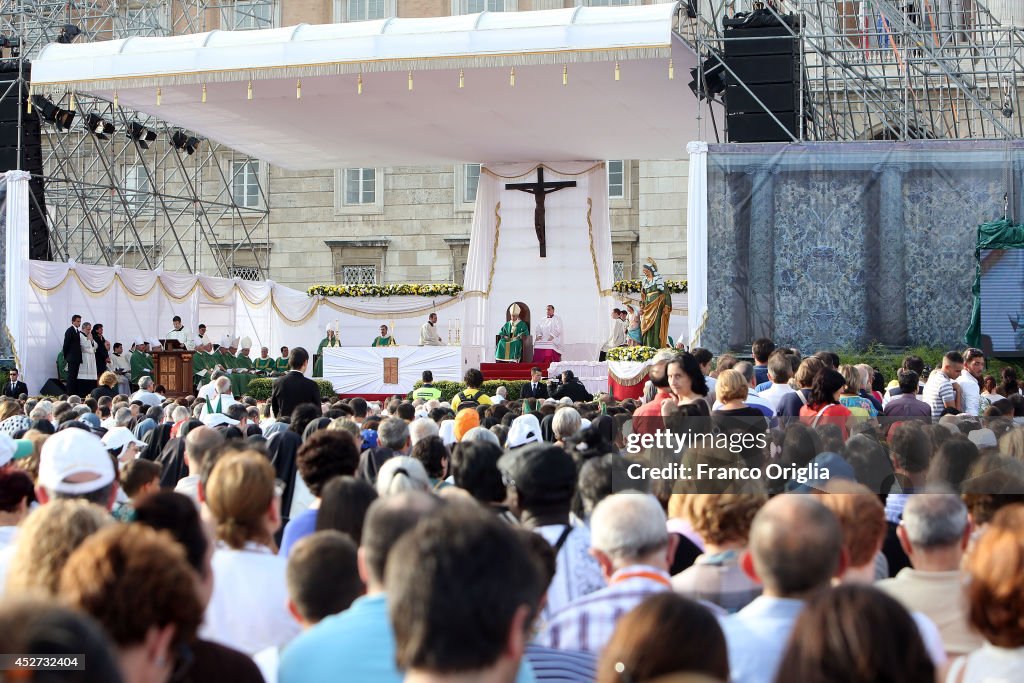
(123, 445)
(525, 429)
(74, 463)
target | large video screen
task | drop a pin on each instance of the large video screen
(1002, 301)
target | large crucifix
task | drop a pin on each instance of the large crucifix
(539, 190)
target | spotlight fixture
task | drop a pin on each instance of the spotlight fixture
(11, 43)
(184, 142)
(141, 134)
(95, 124)
(713, 82)
(51, 113)
(68, 33)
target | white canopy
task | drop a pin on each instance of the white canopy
(589, 83)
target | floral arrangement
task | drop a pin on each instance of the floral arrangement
(637, 354)
(406, 289)
(637, 286)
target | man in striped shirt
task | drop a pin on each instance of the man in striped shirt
(939, 391)
(630, 540)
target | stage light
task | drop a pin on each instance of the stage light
(68, 33)
(141, 134)
(11, 43)
(184, 142)
(95, 124)
(713, 82)
(61, 118)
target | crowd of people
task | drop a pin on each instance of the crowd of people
(526, 538)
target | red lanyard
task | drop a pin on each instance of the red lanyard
(625, 576)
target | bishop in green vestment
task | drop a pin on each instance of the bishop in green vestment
(141, 362)
(384, 339)
(331, 340)
(281, 364)
(265, 364)
(510, 341)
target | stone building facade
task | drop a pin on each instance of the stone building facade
(412, 224)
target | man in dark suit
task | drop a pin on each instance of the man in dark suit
(73, 353)
(572, 388)
(14, 388)
(293, 388)
(536, 388)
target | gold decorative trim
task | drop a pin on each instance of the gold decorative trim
(494, 251)
(700, 329)
(628, 382)
(489, 172)
(593, 252)
(14, 347)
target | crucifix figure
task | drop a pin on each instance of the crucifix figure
(539, 190)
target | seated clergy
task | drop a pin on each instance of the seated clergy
(510, 342)
(281, 364)
(264, 364)
(385, 338)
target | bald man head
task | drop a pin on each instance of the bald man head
(795, 546)
(199, 443)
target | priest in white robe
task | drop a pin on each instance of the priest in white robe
(428, 332)
(180, 334)
(547, 345)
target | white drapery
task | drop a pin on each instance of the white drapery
(697, 241)
(591, 374)
(361, 370)
(504, 264)
(16, 260)
(140, 303)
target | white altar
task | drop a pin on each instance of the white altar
(591, 374)
(360, 370)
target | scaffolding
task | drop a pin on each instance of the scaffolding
(131, 190)
(884, 69)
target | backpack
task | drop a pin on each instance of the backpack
(467, 401)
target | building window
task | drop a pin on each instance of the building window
(364, 10)
(618, 270)
(358, 275)
(245, 183)
(243, 15)
(359, 191)
(251, 273)
(360, 186)
(475, 6)
(471, 181)
(139, 20)
(616, 179)
(137, 188)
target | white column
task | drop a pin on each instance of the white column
(697, 241)
(16, 291)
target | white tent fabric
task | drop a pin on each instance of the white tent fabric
(138, 303)
(409, 91)
(503, 265)
(16, 260)
(697, 241)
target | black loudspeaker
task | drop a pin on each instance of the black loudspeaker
(13, 99)
(763, 75)
(53, 387)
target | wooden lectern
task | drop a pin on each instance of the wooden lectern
(173, 369)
